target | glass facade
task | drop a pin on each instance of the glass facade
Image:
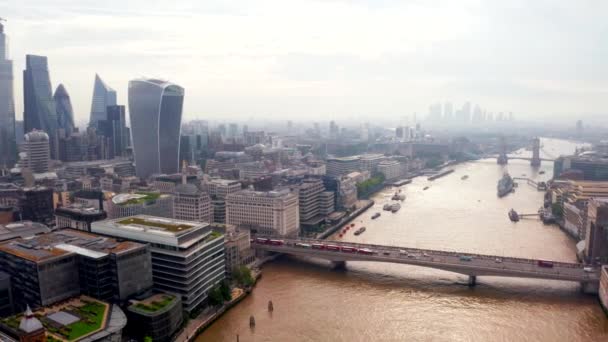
(65, 113)
(155, 110)
(103, 96)
(39, 106)
(8, 145)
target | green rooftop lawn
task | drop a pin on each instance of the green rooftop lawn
(148, 197)
(167, 226)
(155, 305)
(92, 315)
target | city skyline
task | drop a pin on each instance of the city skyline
(371, 67)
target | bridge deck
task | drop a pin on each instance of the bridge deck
(479, 265)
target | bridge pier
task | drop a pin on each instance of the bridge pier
(472, 280)
(338, 265)
(590, 288)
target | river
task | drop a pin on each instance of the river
(387, 302)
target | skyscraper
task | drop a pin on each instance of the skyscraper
(103, 96)
(39, 106)
(65, 113)
(114, 129)
(155, 111)
(8, 145)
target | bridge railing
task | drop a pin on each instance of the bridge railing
(431, 252)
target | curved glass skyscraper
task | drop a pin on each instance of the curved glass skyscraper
(65, 113)
(103, 96)
(155, 111)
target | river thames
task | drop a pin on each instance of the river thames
(386, 302)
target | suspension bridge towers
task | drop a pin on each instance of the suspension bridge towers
(535, 161)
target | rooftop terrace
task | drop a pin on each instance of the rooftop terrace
(156, 222)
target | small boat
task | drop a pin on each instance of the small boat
(360, 231)
(464, 177)
(513, 216)
(541, 172)
(395, 207)
(425, 188)
(375, 216)
(270, 306)
(387, 207)
(398, 197)
(251, 321)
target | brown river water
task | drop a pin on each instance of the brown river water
(389, 302)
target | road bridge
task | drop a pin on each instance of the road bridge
(471, 265)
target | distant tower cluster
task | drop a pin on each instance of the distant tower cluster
(466, 114)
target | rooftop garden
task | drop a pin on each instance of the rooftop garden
(214, 235)
(155, 224)
(154, 305)
(146, 197)
(91, 316)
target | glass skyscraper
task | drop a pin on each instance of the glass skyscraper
(39, 106)
(8, 145)
(103, 96)
(155, 111)
(65, 113)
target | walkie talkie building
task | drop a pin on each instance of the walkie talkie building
(155, 111)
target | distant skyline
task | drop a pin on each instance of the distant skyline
(322, 60)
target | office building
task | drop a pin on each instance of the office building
(369, 162)
(264, 212)
(309, 196)
(591, 166)
(340, 166)
(37, 205)
(40, 111)
(596, 239)
(237, 246)
(187, 256)
(190, 203)
(77, 216)
(65, 113)
(146, 203)
(114, 131)
(155, 110)
(8, 143)
(49, 268)
(218, 189)
(391, 169)
(103, 96)
(158, 316)
(6, 295)
(37, 150)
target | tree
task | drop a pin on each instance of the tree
(242, 275)
(557, 210)
(147, 339)
(215, 296)
(225, 291)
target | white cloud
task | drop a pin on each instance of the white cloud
(317, 58)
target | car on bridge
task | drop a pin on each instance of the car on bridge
(466, 258)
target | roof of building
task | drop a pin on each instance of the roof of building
(345, 159)
(21, 229)
(64, 242)
(77, 208)
(29, 323)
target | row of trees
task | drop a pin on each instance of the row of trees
(367, 187)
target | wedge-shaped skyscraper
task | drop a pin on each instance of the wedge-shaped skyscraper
(155, 111)
(103, 96)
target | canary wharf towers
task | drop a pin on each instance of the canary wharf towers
(155, 110)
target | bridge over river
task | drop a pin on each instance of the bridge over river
(472, 265)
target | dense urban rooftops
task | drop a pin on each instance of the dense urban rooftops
(63, 242)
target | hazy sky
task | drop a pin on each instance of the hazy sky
(326, 59)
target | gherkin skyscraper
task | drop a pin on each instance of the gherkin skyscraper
(65, 113)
